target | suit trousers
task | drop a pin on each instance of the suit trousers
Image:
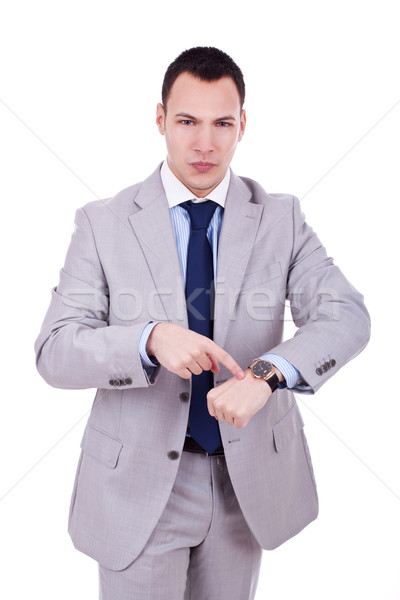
(201, 548)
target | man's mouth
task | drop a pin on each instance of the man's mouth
(202, 167)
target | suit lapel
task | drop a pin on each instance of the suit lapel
(153, 228)
(239, 229)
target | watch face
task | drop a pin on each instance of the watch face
(262, 368)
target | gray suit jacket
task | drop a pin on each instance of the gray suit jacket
(122, 271)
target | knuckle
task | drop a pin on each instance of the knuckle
(241, 414)
(219, 406)
(177, 365)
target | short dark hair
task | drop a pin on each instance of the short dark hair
(206, 63)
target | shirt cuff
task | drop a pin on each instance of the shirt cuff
(290, 373)
(146, 361)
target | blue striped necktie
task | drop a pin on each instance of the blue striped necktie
(199, 298)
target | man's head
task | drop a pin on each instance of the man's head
(202, 116)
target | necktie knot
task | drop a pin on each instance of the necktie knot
(200, 213)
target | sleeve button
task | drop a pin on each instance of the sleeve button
(128, 381)
(319, 371)
(184, 397)
(173, 455)
(333, 362)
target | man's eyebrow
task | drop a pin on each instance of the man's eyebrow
(227, 118)
(192, 118)
(186, 116)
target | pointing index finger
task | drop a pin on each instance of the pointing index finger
(227, 360)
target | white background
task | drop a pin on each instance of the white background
(79, 82)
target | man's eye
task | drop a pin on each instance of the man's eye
(223, 124)
(186, 122)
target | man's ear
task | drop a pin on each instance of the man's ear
(243, 120)
(160, 118)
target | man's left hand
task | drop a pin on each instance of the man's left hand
(236, 401)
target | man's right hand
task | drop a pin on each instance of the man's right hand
(185, 352)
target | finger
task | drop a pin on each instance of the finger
(184, 373)
(195, 368)
(219, 414)
(202, 363)
(210, 404)
(229, 419)
(240, 423)
(226, 359)
(216, 407)
(205, 362)
(214, 364)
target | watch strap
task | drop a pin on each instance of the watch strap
(273, 382)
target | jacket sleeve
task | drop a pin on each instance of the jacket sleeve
(333, 323)
(76, 347)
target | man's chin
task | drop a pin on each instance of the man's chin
(201, 192)
(201, 185)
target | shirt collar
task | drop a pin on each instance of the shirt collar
(177, 192)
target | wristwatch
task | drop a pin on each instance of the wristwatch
(262, 369)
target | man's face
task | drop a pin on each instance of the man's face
(202, 126)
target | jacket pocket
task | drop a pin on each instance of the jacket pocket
(100, 445)
(287, 428)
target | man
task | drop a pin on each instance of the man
(171, 303)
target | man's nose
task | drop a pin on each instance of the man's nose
(204, 141)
